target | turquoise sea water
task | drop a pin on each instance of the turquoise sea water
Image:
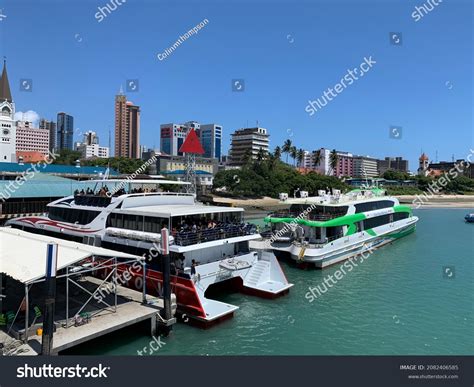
(397, 302)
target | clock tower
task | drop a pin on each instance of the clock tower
(7, 124)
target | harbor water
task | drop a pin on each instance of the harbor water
(413, 297)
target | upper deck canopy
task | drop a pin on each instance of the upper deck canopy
(167, 211)
(139, 181)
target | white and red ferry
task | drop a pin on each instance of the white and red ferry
(209, 245)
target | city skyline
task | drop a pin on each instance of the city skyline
(282, 66)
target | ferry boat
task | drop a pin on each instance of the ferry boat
(329, 228)
(209, 245)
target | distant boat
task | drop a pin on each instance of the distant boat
(469, 218)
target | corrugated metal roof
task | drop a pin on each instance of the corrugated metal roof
(42, 185)
(54, 168)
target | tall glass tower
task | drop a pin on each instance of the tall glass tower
(65, 131)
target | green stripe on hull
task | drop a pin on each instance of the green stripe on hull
(371, 232)
(401, 234)
(347, 220)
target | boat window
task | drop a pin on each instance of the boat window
(371, 206)
(136, 222)
(334, 232)
(376, 221)
(317, 212)
(70, 215)
(400, 216)
(154, 224)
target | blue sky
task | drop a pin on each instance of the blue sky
(288, 52)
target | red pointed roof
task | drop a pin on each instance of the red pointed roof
(192, 144)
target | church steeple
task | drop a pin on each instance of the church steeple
(5, 93)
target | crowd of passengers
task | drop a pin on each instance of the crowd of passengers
(104, 190)
(208, 230)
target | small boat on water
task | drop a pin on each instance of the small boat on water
(469, 218)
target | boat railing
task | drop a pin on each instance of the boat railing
(284, 214)
(192, 237)
(323, 217)
(308, 216)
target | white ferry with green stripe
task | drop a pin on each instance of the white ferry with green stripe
(330, 228)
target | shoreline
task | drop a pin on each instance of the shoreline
(271, 204)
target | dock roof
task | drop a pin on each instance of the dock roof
(23, 254)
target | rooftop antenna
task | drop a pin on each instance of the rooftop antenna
(436, 157)
(452, 157)
(257, 123)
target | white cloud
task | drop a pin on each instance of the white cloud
(29, 115)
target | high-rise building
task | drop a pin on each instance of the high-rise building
(364, 167)
(7, 125)
(211, 140)
(90, 138)
(172, 137)
(247, 141)
(51, 127)
(392, 163)
(65, 131)
(127, 128)
(90, 146)
(29, 139)
(345, 164)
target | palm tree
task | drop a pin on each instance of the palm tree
(300, 156)
(261, 154)
(287, 148)
(247, 157)
(293, 153)
(277, 153)
(333, 159)
(316, 158)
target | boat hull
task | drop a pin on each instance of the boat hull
(346, 247)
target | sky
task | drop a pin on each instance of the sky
(287, 53)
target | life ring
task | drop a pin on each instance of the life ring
(138, 283)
